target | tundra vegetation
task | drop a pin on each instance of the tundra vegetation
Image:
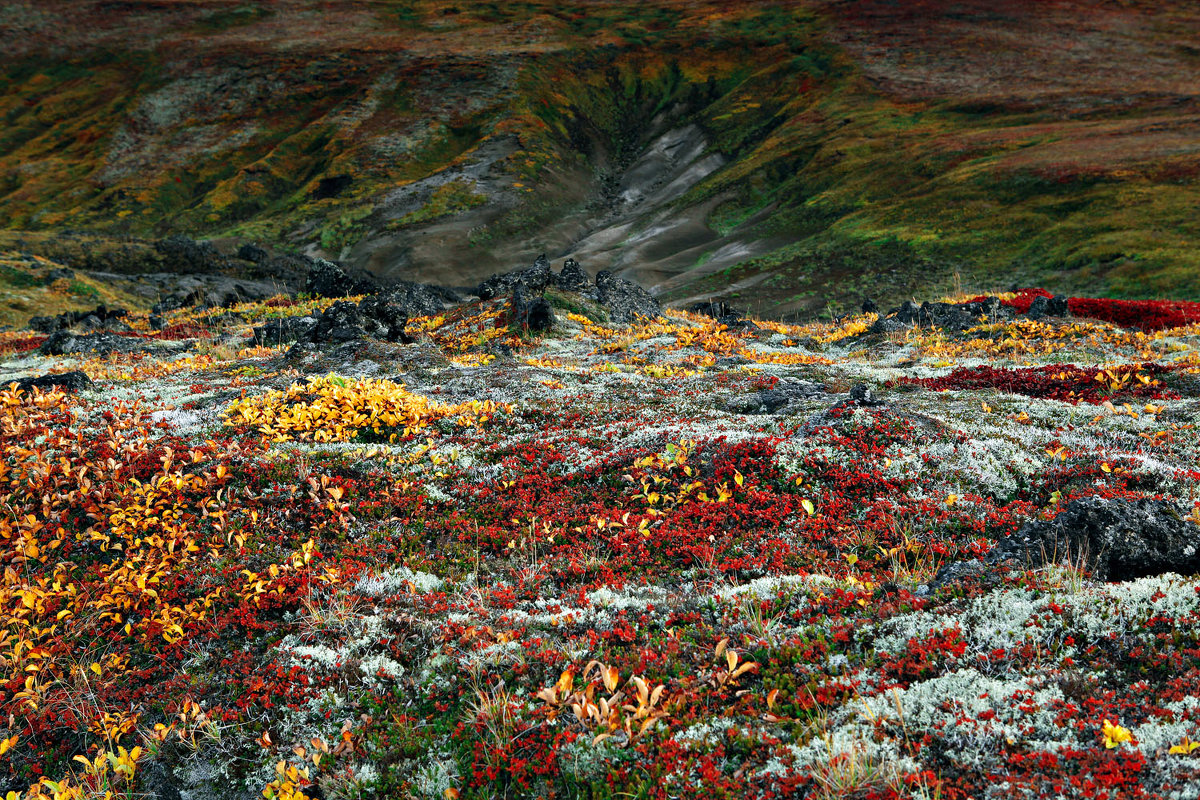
(679, 557)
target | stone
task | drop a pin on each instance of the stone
(1048, 307)
(535, 279)
(572, 278)
(625, 301)
(389, 312)
(183, 254)
(1117, 540)
(96, 318)
(73, 381)
(869, 306)
(63, 343)
(863, 395)
(776, 400)
(531, 314)
(327, 279)
(286, 329)
(252, 253)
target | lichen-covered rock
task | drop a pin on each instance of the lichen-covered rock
(778, 399)
(1048, 307)
(625, 300)
(535, 279)
(572, 278)
(64, 343)
(327, 279)
(69, 319)
(73, 381)
(1117, 540)
(183, 254)
(288, 329)
(533, 314)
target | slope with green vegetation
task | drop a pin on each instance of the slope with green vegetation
(790, 156)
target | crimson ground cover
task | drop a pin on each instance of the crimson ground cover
(488, 565)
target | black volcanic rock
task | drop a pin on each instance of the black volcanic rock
(327, 279)
(69, 319)
(287, 329)
(535, 279)
(1114, 540)
(1048, 307)
(1118, 540)
(572, 278)
(779, 399)
(64, 343)
(252, 253)
(624, 299)
(73, 381)
(182, 254)
(532, 314)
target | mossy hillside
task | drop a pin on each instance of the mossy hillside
(293, 147)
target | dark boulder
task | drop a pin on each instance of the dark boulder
(535, 279)
(863, 395)
(98, 317)
(74, 381)
(378, 316)
(327, 279)
(339, 323)
(420, 299)
(63, 343)
(625, 301)
(182, 254)
(869, 306)
(572, 278)
(533, 314)
(389, 313)
(252, 253)
(778, 399)
(1048, 307)
(286, 329)
(951, 317)
(1114, 540)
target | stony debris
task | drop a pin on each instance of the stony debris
(327, 279)
(952, 317)
(782, 398)
(1111, 539)
(1042, 307)
(534, 279)
(572, 278)
(73, 381)
(1116, 540)
(625, 300)
(533, 314)
(724, 314)
(252, 253)
(287, 329)
(96, 318)
(64, 343)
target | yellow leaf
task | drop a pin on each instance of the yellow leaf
(95, 668)
(738, 478)
(1184, 748)
(851, 559)
(808, 506)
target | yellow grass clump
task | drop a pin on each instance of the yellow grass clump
(335, 409)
